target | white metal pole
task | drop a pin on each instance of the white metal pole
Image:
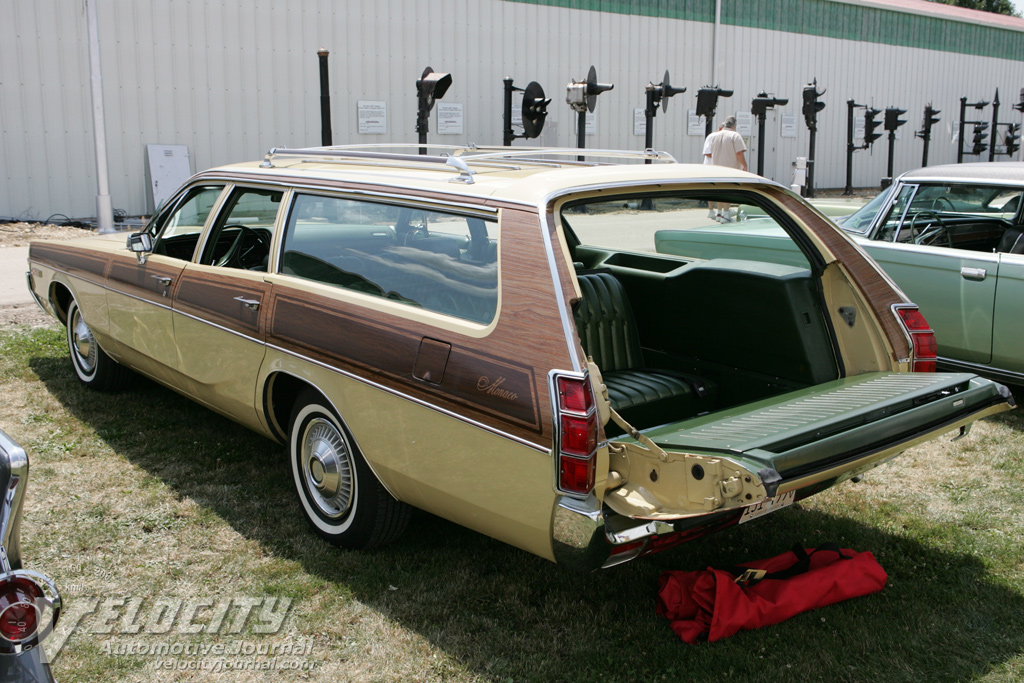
(104, 208)
(714, 43)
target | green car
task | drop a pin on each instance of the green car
(950, 237)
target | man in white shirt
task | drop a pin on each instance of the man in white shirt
(726, 149)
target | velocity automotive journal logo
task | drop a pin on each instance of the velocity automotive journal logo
(184, 633)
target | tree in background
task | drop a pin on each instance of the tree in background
(996, 6)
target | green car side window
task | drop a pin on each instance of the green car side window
(893, 227)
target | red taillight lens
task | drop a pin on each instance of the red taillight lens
(577, 425)
(923, 337)
(576, 475)
(575, 395)
(579, 434)
(19, 616)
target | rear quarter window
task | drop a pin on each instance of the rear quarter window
(439, 261)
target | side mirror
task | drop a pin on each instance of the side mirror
(141, 243)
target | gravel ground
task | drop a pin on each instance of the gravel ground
(19, 235)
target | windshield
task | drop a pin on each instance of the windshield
(862, 220)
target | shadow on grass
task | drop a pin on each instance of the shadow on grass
(504, 614)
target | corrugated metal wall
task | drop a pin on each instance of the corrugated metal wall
(232, 78)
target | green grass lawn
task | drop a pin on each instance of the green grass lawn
(145, 495)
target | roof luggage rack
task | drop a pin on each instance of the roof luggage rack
(444, 157)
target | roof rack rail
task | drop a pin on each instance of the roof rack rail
(495, 157)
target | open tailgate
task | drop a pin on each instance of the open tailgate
(802, 441)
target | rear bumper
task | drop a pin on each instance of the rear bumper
(587, 535)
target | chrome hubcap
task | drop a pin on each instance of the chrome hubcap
(83, 343)
(327, 467)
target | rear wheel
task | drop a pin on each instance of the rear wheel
(341, 497)
(93, 366)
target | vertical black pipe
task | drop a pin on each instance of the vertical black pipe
(649, 113)
(508, 136)
(960, 147)
(581, 132)
(892, 147)
(850, 105)
(927, 133)
(809, 190)
(995, 124)
(325, 100)
(760, 144)
(422, 117)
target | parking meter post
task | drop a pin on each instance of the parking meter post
(995, 127)
(507, 135)
(326, 138)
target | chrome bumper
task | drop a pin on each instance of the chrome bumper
(586, 537)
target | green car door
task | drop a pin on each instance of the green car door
(955, 289)
(1009, 323)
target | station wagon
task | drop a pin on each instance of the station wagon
(490, 335)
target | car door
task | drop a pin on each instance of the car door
(955, 288)
(1008, 328)
(219, 331)
(140, 290)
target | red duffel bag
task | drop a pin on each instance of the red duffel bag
(716, 603)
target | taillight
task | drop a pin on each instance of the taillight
(577, 427)
(29, 609)
(19, 616)
(922, 336)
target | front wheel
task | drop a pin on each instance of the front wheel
(93, 366)
(341, 497)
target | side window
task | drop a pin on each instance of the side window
(443, 262)
(892, 228)
(244, 228)
(178, 229)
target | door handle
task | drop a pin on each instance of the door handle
(976, 274)
(165, 281)
(254, 304)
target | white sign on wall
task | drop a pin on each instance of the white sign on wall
(372, 117)
(591, 124)
(745, 123)
(639, 121)
(694, 123)
(449, 118)
(787, 127)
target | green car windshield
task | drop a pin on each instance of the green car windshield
(926, 202)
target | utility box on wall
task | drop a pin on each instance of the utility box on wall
(167, 169)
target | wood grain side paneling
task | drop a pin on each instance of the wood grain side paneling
(144, 280)
(212, 297)
(73, 260)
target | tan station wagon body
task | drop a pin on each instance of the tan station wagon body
(488, 335)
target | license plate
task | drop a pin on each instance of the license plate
(768, 505)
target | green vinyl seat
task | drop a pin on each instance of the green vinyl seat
(644, 396)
